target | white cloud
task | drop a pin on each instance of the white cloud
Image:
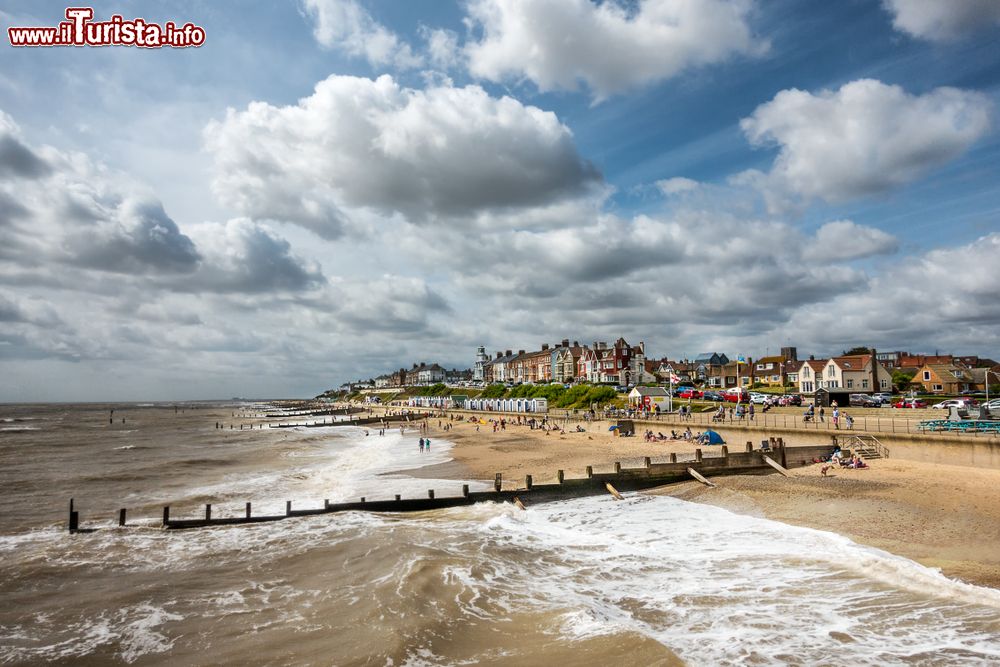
(347, 26)
(677, 185)
(442, 47)
(608, 46)
(863, 139)
(361, 144)
(844, 240)
(943, 20)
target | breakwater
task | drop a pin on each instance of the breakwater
(751, 461)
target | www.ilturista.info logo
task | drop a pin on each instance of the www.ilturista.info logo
(80, 30)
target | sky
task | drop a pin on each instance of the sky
(327, 190)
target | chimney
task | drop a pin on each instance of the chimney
(499, 354)
(812, 357)
(642, 347)
(576, 343)
(545, 347)
(520, 351)
(508, 353)
(565, 342)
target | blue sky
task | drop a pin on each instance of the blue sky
(264, 215)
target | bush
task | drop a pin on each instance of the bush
(493, 391)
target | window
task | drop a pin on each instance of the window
(850, 384)
(805, 372)
(832, 384)
(884, 382)
(831, 371)
(760, 367)
(864, 384)
(927, 375)
(938, 387)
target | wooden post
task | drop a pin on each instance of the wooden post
(560, 475)
(673, 457)
(613, 491)
(208, 511)
(749, 446)
(498, 482)
(430, 493)
(527, 482)
(398, 497)
(74, 518)
(166, 515)
(248, 508)
(647, 462)
(697, 455)
(362, 500)
(465, 491)
(288, 508)
(725, 451)
(618, 467)
(121, 517)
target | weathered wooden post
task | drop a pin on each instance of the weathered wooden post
(248, 510)
(697, 455)
(465, 490)
(560, 475)
(498, 482)
(362, 500)
(749, 446)
(527, 482)
(725, 451)
(121, 517)
(590, 471)
(673, 457)
(166, 516)
(288, 508)
(74, 518)
(208, 512)
(398, 497)
(647, 462)
(618, 467)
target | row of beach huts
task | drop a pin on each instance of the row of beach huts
(460, 401)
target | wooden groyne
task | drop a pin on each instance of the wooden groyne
(363, 421)
(648, 475)
(314, 413)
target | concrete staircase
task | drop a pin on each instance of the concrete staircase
(866, 446)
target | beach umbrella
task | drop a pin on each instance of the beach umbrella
(612, 428)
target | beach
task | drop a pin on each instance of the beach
(942, 516)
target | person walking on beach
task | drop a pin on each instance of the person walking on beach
(421, 444)
(836, 417)
(822, 411)
(427, 444)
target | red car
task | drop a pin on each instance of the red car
(736, 396)
(910, 403)
(690, 393)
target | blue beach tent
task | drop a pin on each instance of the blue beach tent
(713, 438)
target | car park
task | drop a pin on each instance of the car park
(910, 403)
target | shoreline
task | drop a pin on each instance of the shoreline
(941, 516)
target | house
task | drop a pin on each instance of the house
(907, 360)
(455, 376)
(429, 374)
(564, 361)
(856, 373)
(619, 363)
(949, 378)
(495, 370)
(769, 371)
(810, 375)
(383, 381)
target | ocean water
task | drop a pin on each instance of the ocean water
(651, 580)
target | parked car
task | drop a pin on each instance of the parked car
(864, 401)
(736, 396)
(884, 398)
(790, 399)
(963, 403)
(759, 399)
(690, 392)
(910, 403)
(712, 396)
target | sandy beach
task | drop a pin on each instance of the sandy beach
(942, 516)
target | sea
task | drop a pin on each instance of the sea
(649, 581)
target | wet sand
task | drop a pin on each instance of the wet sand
(941, 516)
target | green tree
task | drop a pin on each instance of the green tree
(857, 350)
(901, 380)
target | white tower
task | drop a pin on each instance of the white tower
(481, 359)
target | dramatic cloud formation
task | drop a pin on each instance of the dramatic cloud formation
(608, 46)
(943, 21)
(347, 26)
(863, 139)
(428, 154)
